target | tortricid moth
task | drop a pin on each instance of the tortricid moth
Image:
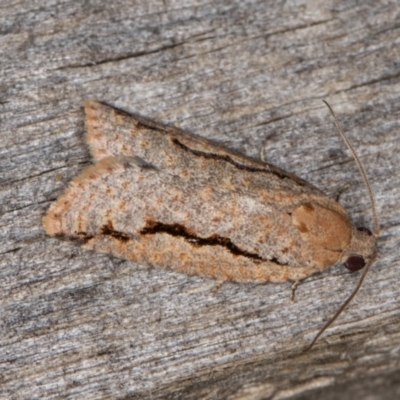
(160, 196)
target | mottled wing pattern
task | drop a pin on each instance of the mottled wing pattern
(162, 196)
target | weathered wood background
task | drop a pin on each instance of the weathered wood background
(249, 74)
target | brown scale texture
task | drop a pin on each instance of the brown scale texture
(164, 197)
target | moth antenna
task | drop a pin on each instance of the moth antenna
(342, 307)
(376, 229)
(361, 169)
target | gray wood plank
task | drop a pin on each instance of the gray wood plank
(251, 75)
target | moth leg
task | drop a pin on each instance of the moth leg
(340, 191)
(217, 286)
(262, 154)
(294, 287)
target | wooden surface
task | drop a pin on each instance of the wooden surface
(251, 75)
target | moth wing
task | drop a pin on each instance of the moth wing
(126, 207)
(112, 132)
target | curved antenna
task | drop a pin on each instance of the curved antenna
(361, 169)
(342, 307)
(376, 231)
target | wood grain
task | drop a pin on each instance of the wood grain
(251, 75)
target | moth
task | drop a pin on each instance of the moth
(164, 197)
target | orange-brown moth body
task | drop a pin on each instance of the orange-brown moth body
(164, 197)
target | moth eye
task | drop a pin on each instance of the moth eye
(365, 230)
(354, 263)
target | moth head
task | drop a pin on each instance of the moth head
(362, 250)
